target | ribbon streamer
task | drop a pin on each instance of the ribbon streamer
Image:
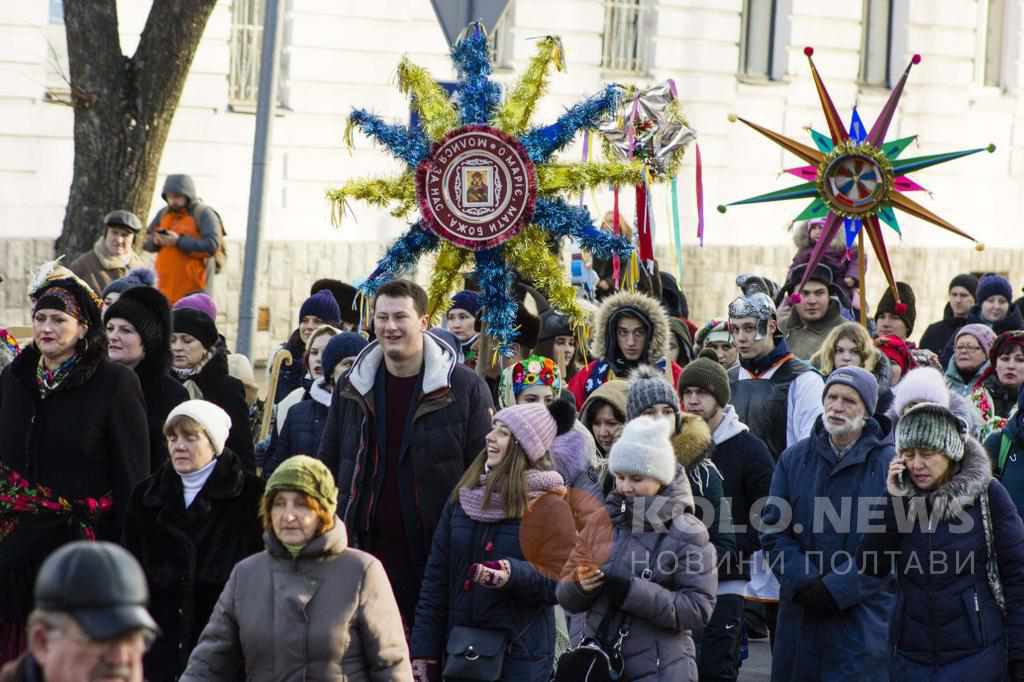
(677, 237)
(700, 197)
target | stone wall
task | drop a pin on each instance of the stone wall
(287, 268)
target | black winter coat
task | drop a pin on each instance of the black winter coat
(162, 393)
(301, 434)
(228, 393)
(87, 439)
(291, 375)
(938, 334)
(188, 554)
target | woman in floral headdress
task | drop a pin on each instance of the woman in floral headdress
(75, 437)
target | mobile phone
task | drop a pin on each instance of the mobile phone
(163, 232)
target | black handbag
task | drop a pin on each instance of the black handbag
(474, 654)
(593, 659)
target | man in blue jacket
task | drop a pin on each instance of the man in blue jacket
(833, 622)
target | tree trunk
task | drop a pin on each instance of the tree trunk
(123, 108)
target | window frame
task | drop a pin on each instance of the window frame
(612, 61)
(777, 49)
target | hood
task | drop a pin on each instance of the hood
(674, 500)
(614, 392)
(802, 241)
(672, 297)
(729, 426)
(638, 303)
(973, 476)
(438, 365)
(679, 329)
(179, 184)
(692, 443)
(574, 452)
(331, 543)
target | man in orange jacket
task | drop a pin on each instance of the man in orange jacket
(185, 234)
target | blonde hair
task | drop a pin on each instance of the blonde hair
(609, 221)
(323, 330)
(507, 479)
(824, 359)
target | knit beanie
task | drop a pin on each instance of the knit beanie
(715, 331)
(887, 304)
(136, 277)
(921, 385)
(344, 294)
(965, 280)
(982, 333)
(197, 325)
(466, 300)
(201, 302)
(1005, 343)
(708, 375)
(535, 425)
(897, 350)
(993, 285)
(304, 474)
(323, 305)
(644, 449)
(148, 311)
(931, 427)
(858, 379)
(215, 421)
(341, 346)
(647, 388)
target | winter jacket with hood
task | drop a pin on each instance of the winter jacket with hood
(812, 545)
(228, 393)
(940, 333)
(445, 432)
(746, 465)
(188, 554)
(614, 393)
(607, 363)
(805, 338)
(946, 626)
(188, 266)
(98, 268)
(327, 614)
(522, 609)
(671, 596)
(86, 439)
(301, 434)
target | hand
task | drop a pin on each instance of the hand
(816, 598)
(589, 578)
(425, 670)
(491, 574)
(167, 238)
(892, 482)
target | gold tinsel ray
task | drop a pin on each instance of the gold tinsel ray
(514, 115)
(574, 178)
(528, 253)
(443, 281)
(397, 194)
(437, 114)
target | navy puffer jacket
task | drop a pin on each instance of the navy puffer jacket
(301, 434)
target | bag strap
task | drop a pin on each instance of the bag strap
(625, 624)
(1004, 450)
(995, 583)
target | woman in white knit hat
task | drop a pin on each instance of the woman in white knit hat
(188, 525)
(647, 579)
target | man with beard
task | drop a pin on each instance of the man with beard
(775, 394)
(90, 620)
(827, 490)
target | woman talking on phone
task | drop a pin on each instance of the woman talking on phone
(956, 542)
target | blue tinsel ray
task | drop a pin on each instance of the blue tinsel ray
(477, 95)
(562, 220)
(411, 146)
(400, 257)
(499, 310)
(542, 142)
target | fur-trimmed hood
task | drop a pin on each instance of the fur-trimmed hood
(972, 478)
(614, 392)
(802, 241)
(636, 303)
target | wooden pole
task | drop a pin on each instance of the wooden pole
(862, 267)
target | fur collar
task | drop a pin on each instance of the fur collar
(438, 365)
(647, 306)
(164, 488)
(972, 478)
(24, 367)
(693, 443)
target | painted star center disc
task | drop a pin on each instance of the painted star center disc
(477, 188)
(854, 184)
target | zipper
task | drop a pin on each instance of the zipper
(977, 612)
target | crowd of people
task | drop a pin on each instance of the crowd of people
(423, 508)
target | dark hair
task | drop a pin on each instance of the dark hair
(403, 288)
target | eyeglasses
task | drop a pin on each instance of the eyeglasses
(968, 349)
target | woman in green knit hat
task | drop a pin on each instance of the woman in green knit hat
(307, 606)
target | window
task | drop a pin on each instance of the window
(246, 47)
(765, 35)
(499, 42)
(989, 57)
(875, 53)
(622, 48)
(58, 73)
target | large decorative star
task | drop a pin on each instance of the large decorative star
(485, 184)
(856, 178)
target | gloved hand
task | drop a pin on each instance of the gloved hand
(492, 574)
(1017, 671)
(616, 586)
(426, 670)
(816, 598)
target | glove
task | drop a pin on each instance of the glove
(426, 670)
(616, 586)
(1017, 671)
(492, 574)
(816, 598)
